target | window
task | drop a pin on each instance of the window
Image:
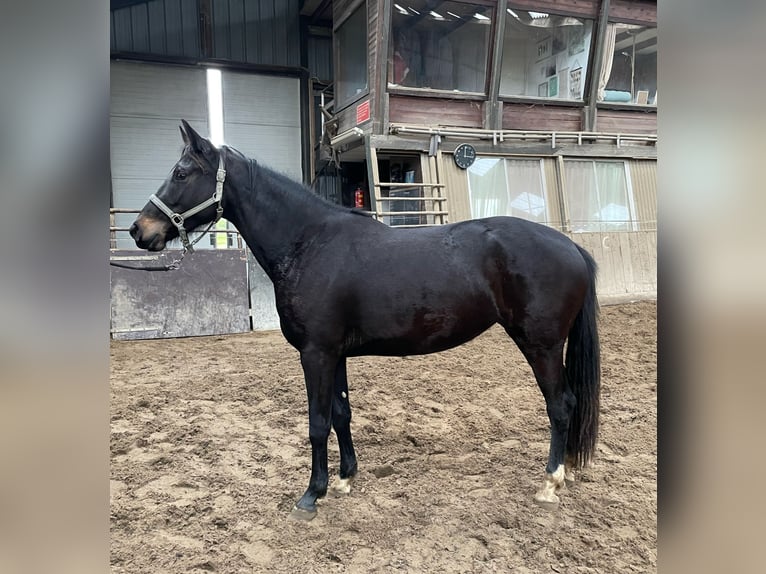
(599, 196)
(515, 187)
(630, 65)
(439, 45)
(544, 55)
(351, 47)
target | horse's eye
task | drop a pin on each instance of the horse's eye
(180, 174)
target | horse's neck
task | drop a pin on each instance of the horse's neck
(271, 216)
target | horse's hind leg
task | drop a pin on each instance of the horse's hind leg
(341, 423)
(548, 367)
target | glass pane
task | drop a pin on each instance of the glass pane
(439, 45)
(614, 209)
(352, 59)
(525, 190)
(631, 61)
(487, 187)
(597, 196)
(545, 55)
(581, 195)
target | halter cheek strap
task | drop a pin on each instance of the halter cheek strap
(179, 218)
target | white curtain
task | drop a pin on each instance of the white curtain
(525, 190)
(597, 196)
(507, 187)
(581, 195)
(614, 207)
(606, 59)
(488, 187)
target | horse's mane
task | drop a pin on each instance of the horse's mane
(302, 192)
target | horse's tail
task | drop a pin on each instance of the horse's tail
(583, 372)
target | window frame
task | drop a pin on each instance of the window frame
(448, 94)
(352, 10)
(586, 77)
(629, 106)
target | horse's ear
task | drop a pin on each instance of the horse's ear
(194, 140)
(183, 134)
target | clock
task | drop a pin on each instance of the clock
(464, 156)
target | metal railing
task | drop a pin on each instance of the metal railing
(499, 136)
(416, 213)
(114, 228)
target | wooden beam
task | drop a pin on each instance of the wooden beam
(309, 7)
(315, 17)
(373, 176)
(493, 117)
(118, 4)
(380, 111)
(595, 69)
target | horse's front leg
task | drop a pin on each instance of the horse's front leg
(341, 422)
(318, 370)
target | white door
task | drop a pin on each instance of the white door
(147, 104)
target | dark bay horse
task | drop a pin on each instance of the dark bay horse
(347, 285)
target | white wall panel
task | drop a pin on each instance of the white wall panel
(147, 104)
(262, 119)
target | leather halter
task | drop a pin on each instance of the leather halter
(179, 218)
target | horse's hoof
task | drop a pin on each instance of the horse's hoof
(341, 488)
(569, 477)
(547, 501)
(302, 514)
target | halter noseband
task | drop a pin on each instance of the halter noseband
(178, 218)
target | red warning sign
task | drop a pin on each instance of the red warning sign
(363, 112)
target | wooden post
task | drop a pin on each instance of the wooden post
(590, 110)
(563, 209)
(112, 235)
(380, 112)
(373, 177)
(493, 120)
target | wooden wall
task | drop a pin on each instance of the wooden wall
(627, 262)
(434, 111)
(541, 117)
(626, 122)
(635, 11)
(456, 189)
(643, 179)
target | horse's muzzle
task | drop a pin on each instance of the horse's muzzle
(148, 236)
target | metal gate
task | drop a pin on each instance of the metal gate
(207, 295)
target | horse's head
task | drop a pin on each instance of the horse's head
(187, 199)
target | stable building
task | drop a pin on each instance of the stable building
(423, 112)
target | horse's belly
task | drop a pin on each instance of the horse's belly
(422, 333)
